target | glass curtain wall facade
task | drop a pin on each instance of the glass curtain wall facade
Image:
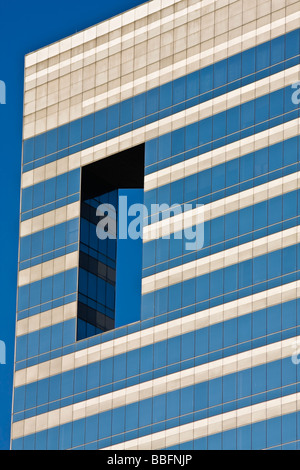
(210, 89)
(97, 272)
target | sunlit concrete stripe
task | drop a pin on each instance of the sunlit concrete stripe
(171, 329)
(49, 219)
(48, 268)
(221, 207)
(221, 260)
(46, 319)
(165, 72)
(121, 39)
(213, 425)
(171, 123)
(159, 386)
(180, 170)
(100, 29)
(222, 155)
(38, 118)
(51, 170)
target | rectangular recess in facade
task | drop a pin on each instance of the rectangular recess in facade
(100, 184)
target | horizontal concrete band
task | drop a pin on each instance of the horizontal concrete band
(213, 425)
(171, 329)
(212, 210)
(122, 39)
(165, 72)
(286, 184)
(171, 123)
(221, 207)
(222, 155)
(221, 260)
(102, 28)
(48, 268)
(58, 108)
(46, 319)
(49, 219)
(152, 388)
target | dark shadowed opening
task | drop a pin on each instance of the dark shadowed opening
(109, 268)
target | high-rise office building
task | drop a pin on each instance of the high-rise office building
(168, 342)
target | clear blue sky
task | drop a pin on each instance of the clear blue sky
(25, 27)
